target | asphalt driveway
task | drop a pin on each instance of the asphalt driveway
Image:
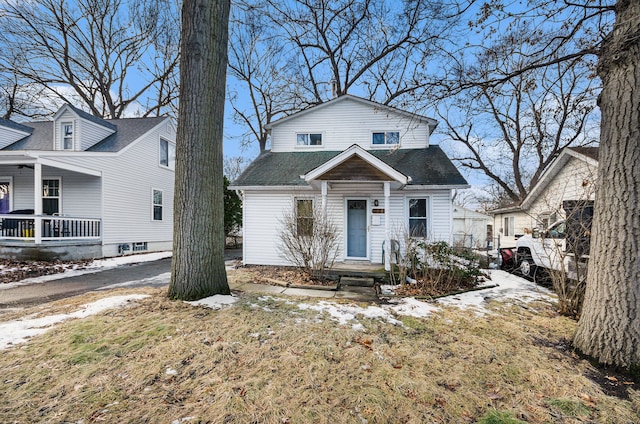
(137, 275)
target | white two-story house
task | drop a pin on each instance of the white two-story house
(369, 166)
(79, 186)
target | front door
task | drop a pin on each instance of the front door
(357, 228)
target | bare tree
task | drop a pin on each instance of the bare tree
(309, 239)
(511, 130)
(293, 55)
(102, 55)
(609, 326)
(198, 268)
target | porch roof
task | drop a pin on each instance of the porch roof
(429, 166)
(27, 160)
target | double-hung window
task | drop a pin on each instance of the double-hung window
(157, 200)
(67, 136)
(387, 137)
(418, 219)
(167, 154)
(304, 217)
(509, 226)
(51, 196)
(309, 139)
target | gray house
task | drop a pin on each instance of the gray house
(79, 186)
(369, 166)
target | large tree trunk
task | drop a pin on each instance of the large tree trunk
(609, 328)
(198, 247)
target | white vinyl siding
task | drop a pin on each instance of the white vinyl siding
(349, 122)
(262, 225)
(263, 212)
(9, 136)
(125, 205)
(575, 181)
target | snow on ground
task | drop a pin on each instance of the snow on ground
(18, 331)
(93, 267)
(509, 288)
(215, 302)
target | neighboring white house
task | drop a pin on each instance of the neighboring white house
(470, 228)
(571, 176)
(79, 186)
(369, 166)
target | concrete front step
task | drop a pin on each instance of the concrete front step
(357, 281)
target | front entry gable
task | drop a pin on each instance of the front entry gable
(355, 164)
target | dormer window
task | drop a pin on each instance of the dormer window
(388, 137)
(67, 136)
(309, 139)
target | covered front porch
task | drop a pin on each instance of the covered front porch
(362, 187)
(47, 201)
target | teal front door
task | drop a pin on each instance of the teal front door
(357, 228)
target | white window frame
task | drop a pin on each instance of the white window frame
(154, 204)
(295, 210)
(427, 218)
(510, 227)
(308, 141)
(59, 196)
(171, 146)
(386, 137)
(64, 137)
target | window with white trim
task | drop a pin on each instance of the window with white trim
(387, 137)
(157, 200)
(167, 154)
(51, 196)
(304, 216)
(67, 136)
(418, 217)
(309, 139)
(509, 226)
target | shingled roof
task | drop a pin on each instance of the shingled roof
(429, 166)
(128, 130)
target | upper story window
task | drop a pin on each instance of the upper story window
(167, 154)
(388, 137)
(308, 139)
(67, 136)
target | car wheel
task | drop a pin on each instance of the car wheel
(527, 268)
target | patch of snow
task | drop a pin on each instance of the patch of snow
(171, 371)
(344, 313)
(18, 331)
(215, 302)
(511, 289)
(409, 306)
(183, 420)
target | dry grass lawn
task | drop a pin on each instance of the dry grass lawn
(264, 360)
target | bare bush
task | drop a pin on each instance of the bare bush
(309, 239)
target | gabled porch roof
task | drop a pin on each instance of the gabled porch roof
(355, 164)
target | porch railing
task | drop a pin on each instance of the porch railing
(49, 228)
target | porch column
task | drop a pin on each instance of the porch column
(37, 202)
(324, 197)
(387, 227)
